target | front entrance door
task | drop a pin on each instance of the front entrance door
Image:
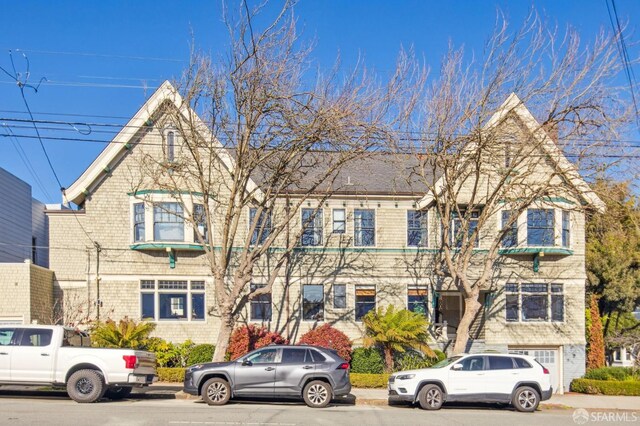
(450, 310)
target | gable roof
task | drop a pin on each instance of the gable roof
(119, 145)
(514, 105)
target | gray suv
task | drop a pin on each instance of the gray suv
(316, 374)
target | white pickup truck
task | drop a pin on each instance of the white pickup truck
(59, 356)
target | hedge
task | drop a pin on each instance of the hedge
(606, 387)
(362, 380)
(174, 374)
(613, 373)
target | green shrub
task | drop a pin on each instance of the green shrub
(613, 373)
(606, 387)
(440, 355)
(367, 360)
(169, 354)
(412, 360)
(200, 354)
(359, 380)
(175, 375)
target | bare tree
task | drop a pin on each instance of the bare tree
(261, 134)
(482, 152)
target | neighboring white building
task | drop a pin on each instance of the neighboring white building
(26, 285)
(24, 228)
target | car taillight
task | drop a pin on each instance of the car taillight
(544, 370)
(130, 361)
(343, 366)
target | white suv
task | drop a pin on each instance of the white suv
(516, 379)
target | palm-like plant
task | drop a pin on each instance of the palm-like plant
(396, 331)
(126, 333)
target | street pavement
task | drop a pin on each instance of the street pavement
(52, 409)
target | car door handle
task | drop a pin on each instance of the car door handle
(308, 367)
(270, 368)
(44, 354)
(4, 353)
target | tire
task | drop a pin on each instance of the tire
(216, 391)
(526, 399)
(86, 386)
(118, 393)
(431, 397)
(317, 394)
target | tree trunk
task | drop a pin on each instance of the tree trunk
(224, 333)
(471, 308)
(388, 360)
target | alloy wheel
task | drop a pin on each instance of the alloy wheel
(527, 399)
(84, 386)
(433, 397)
(217, 392)
(317, 394)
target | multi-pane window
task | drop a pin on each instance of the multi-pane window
(364, 222)
(365, 300)
(417, 225)
(168, 222)
(417, 300)
(510, 237)
(540, 227)
(457, 227)
(566, 231)
(172, 300)
(312, 223)
(313, 302)
(339, 221)
(262, 226)
(138, 222)
(260, 305)
(534, 302)
(339, 296)
(171, 145)
(200, 221)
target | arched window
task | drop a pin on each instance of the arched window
(171, 141)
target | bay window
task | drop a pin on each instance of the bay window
(168, 222)
(540, 227)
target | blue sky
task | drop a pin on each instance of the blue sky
(91, 54)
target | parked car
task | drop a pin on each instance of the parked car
(315, 374)
(504, 378)
(36, 355)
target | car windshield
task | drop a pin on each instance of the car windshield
(445, 362)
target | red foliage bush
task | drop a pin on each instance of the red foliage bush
(249, 337)
(329, 337)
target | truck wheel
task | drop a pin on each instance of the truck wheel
(317, 394)
(216, 391)
(120, 392)
(86, 386)
(525, 399)
(430, 397)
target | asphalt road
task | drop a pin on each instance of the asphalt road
(56, 410)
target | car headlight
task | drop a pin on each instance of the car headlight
(405, 376)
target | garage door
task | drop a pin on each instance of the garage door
(549, 358)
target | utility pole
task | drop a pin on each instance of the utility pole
(98, 301)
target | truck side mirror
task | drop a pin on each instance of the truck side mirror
(247, 363)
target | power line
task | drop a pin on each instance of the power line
(22, 85)
(96, 85)
(624, 53)
(25, 160)
(100, 55)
